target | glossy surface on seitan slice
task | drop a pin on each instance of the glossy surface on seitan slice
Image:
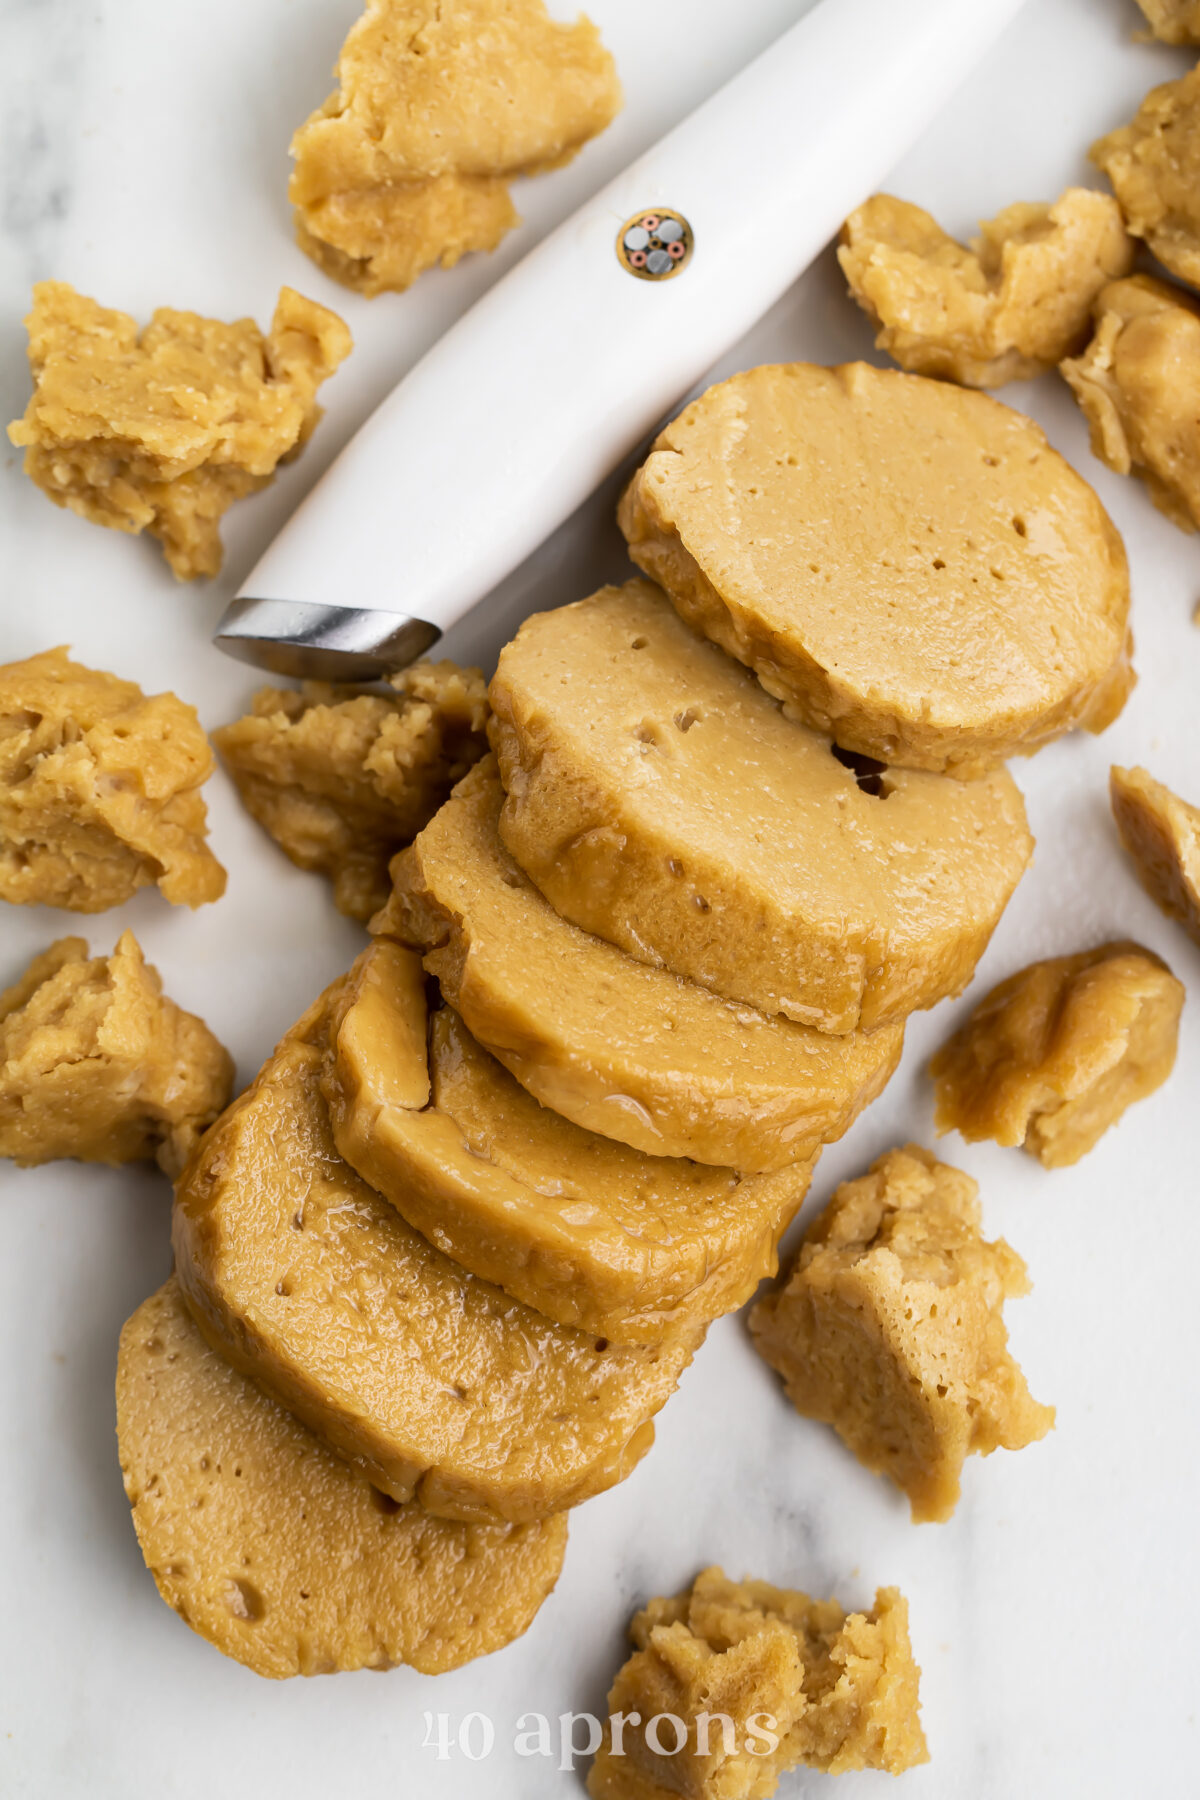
(837, 1691)
(890, 1328)
(588, 1231)
(618, 1047)
(437, 1384)
(908, 565)
(658, 796)
(99, 790)
(278, 1552)
(96, 1063)
(1050, 1058)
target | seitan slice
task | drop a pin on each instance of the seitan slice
(658, 796)
(436, 1384)
(908, 565)
(280, 1553)
(633, 1052)
(588, 1231)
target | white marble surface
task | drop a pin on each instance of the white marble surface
(144, 159)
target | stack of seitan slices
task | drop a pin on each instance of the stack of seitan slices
(441, 1264)
(622, 1048)
(670, 807)
(436, 1384)
(591, 1233)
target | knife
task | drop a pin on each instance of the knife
(531, 398)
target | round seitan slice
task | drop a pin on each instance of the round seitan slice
(281, 1554)
(632, 1052)
(909, 566)
(588, 1231)
(657, 796)
(440, 1387)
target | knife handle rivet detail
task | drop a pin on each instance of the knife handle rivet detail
(655, 245)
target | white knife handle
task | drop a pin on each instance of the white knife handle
(536, 393)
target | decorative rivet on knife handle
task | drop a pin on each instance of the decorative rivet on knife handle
(655, 245)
